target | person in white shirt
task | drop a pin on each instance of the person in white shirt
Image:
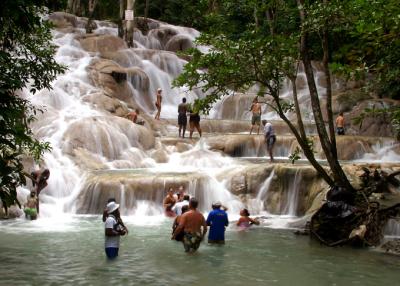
(113, 230)
(270, 138)
(177, 208)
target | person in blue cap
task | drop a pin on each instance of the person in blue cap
(217, 220)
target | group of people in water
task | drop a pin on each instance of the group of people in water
(189, 226)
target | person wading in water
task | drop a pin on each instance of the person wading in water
(113, 230)
(194, 227)
(182, 117)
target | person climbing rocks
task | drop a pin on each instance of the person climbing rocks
(177, 208)
(217, 220)
(194, 122)
(169, 202)
(182, 117)
(256, 115)
(245, 221)
(269, 137)
(113, 230)
(194, 227)
(105, 215)
(158, 103)
(340, 124)
(39, 180)
(30, 208)
(133, 116)
(179, 236)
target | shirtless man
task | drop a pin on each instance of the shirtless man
(169, 202)
(194, 227)
(256, 117)
(31, 206)
(340, 124)
(158, 103)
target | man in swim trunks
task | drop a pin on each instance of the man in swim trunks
(256, 115)
(194, 227)
(340, 124)
(182, 117)
(31, 206)
(113, 230)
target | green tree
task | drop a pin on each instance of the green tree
(26, 61)
(261, 43)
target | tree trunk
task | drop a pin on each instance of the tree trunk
(130, 24)
(121, 18)
(146, 9)
(77, 8)
(325, 47)
(92, 6)
(300, 124)
(70, 6)
(337, 171)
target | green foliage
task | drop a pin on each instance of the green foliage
(26, 61)
(295, 155)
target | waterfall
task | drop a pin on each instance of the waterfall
(392, 228)
(292, 196)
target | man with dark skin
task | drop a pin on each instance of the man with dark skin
(194, 227)
(113, 230)
(39, 179)
(182, 117)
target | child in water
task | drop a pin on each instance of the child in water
(245, 221)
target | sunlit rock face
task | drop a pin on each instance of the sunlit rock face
(106, 136)
(101, 43)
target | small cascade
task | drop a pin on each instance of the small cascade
(292, 196)
(392, 228)
(257, 205)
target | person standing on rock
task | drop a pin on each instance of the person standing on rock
(194, 122)
(113, 230)
(256, 115)
(269, 137)
(182, 117)
(340, 124)
(217, 220)
(194, 227)
(158, 103)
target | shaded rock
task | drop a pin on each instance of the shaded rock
(101, 74)
(62, 20)
(179, 43)
(392, 246)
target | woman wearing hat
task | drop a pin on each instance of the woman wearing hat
(158, 103)
(113, 230)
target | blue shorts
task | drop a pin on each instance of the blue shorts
(111, 252)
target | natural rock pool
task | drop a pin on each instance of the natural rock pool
(69, 251)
